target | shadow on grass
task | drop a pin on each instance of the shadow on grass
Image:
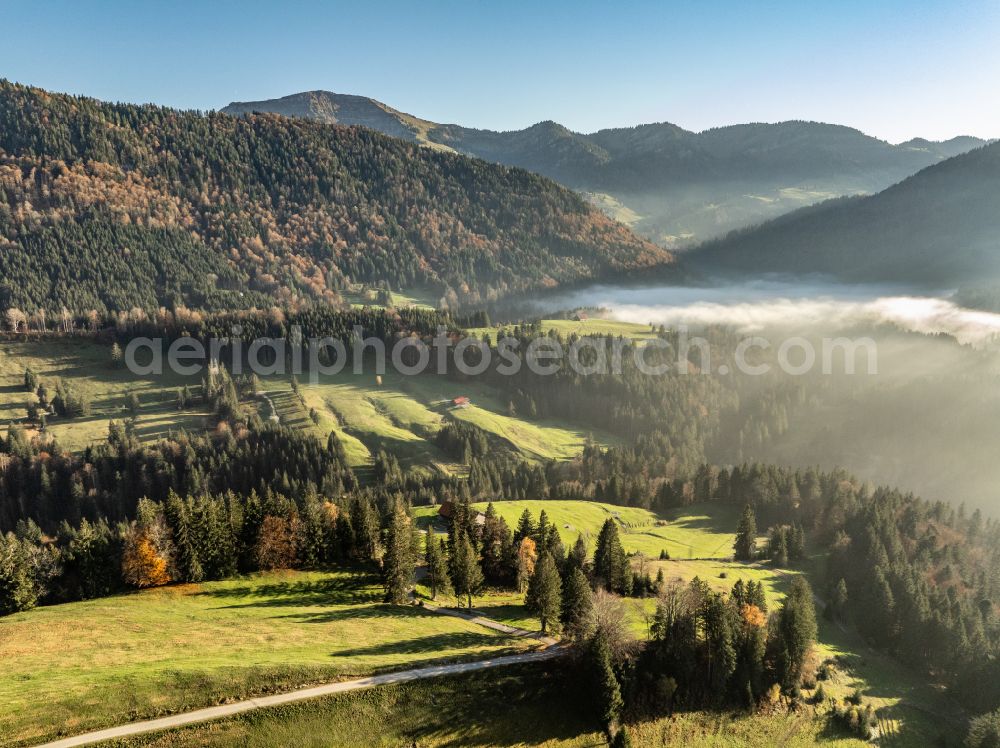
(510, 614)
(354, 612)
(353, 590)
(710, 516)
(443, 644)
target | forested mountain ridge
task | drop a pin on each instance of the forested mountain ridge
(111, 206)
(673, 185)
(940, 226)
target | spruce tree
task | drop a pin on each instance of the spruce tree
(544, 596)
(577, 604)
(437, 566)
(778, 543)
(397, 564)
(496, 548)
(466, 576)
(796, 631)
(542, 531)
(746, 535)
(18, 590)
(838, 605)
(577, 557)
(189, 568)
(525, 528)
(796, 543)
(610, 562)
(606, 694)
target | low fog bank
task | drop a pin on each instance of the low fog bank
(788, 305)
(926, 422)
(925, 315)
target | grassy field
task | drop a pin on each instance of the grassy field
(508, 606)
(522, 706)
(379, 418)
(722, 575)
(403, 414)
(422, 298)
(88, 366)
(698, 531)
(70, 668)
(545, 439)
(911, 711)
(593, 327)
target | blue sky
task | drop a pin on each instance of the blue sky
(891, 68)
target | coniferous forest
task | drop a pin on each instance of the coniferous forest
(110, 207)
(674, 534)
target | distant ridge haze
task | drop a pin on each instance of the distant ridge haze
(939, 227)
(672, 185)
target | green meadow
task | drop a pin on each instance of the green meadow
(515, 706)
(88, 367)
(80, 666)
(698, 531)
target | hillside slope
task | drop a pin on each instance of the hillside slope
(938, 227)
(674, 186)
(113, 206)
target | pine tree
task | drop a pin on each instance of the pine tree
(796, 543)
(189, 568)
(525, 527)
(778, 546)
(796, 631)
(577, 557)
(746, 535)
(838, 605)
(739, 594)
(496, 547)
(606, 695)
(18, 590)
(544, 596)
(542, 531)
(756, 595)
(437, 566)
(466, 576)
(610, 562)
(577, 604)
(365, 524)
(30, 380)
(398, 561)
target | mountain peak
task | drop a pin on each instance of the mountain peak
(333, 109)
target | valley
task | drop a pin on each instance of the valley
(499, 423)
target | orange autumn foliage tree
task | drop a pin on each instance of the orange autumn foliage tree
(527, 554)
(753, 616)
(142, 565)
(276, 543)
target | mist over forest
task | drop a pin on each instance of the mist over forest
(376, 492)
(924, 422)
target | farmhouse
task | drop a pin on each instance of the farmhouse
(461, 402)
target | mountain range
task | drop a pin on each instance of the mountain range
(939, 227)
(674, 186)
(110, 207)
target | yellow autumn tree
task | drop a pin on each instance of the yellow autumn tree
(527, 555)
(753, 616)
(142, 566)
